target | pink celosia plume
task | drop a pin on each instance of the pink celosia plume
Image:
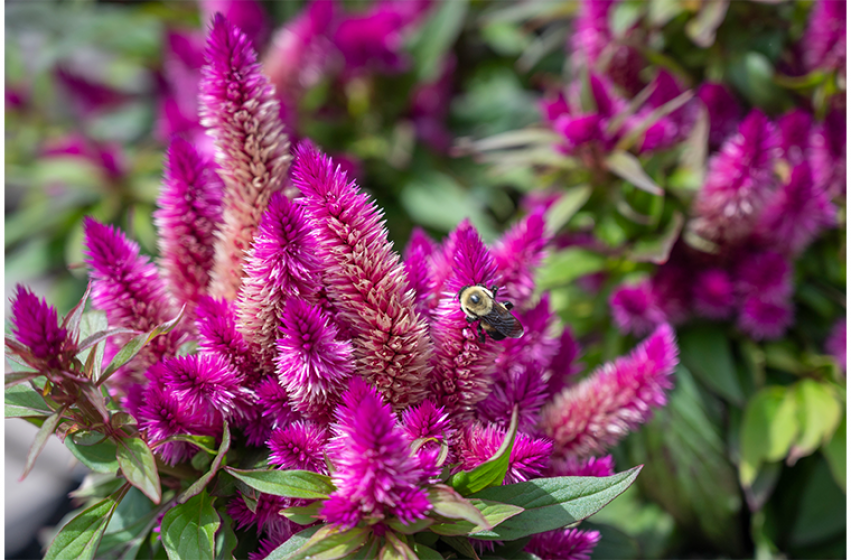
(516, 255)
(35, 324)
(564, 544)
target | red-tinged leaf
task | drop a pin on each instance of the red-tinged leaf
(14, 378)
(47, 428)
(411, 528)
(396, 549)
(448, 503)
(330, 543)
(293, 544)
(100, 336)
(139, 467)
(493, 514)
(462, 545)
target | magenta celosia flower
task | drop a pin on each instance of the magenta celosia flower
(794, 129)
(591, 34)
(837, 343)
(282, 264)
(765, 317)
(87, 97)
(582, 128)
(218, 335)
(635, 309)
(827, 152)
(271, 410)
(593, 415)
(299, 445)
(376, 476)
(591, 466)
(246, 15)
(797, 214)
(552, 107)
(672, 128)
(738, 183)
(714, 294)
(516, 255)
(183, 58)
(463, 365)
(671, 291)
(266, 516)
(724, 112)
(312, 364)
(766, 274)
(417, 255)
(824, 41)
(365, 281)
(428, 422)
(188, 214)
(35, 324)
(530, 456)
(203, 381)
(564, 544)
(128, 288)
(430, 104)
(241, 113)
(562, 367)
(372, 41)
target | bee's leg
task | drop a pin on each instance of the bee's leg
(494, 290)
(508, 305)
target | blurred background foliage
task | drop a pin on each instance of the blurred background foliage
(748, 458)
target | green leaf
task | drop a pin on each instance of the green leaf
(226, 540)
(568, 204)
(702, 28)
(425, 553)
(657, 249)
(188, 529)
(100, 457)
(768, 430)
(835, 453)
(446, 502)
(294, 543)
(396, 549)
(139, 467)
(492, 514)
(44, 432)
(133, 516)
(412, 528)
(492, 472)
(462, 545)
(436, 38)
(705, 351)
(79, 539)
(202, 482)
(303, 515)
(562, 268)
(627, 167)
(291, 484)
(22, 401)
(819, 413)
(329, 543)
(553, 503)
(129, 351)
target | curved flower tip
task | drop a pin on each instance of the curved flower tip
(265, 516)
(824, 42)
(564, 544)
(365, 280)
(590, 417)
(189, 213)
(240, 111)
(218, 335)
(765, 317)
(281, 265)
(312, 364)
(739, 182)
(299, 446)
(635, 310)
(516, 256)
(246, 15)
(375, 475)
(714, 294)
(837, 343)
(35, 324)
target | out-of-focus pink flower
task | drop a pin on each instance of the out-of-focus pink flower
(108, 158)
(797, 214)
(281, 265)
(375, 475)
(671, 291)
(87, 97)
(530, 456)
(183, 58)
(765, 274)
(240, 111)
(428, 422)
(564, 544)
(589, 127)
(739, 182)
(635, 309)
(430, 108)
(266, 516)
(562, 366)
(246, 15)
(188, 214)
(552, 107)
(365, 281)
(724, 112)
(591, 466)
(372, 41)
(827, 151)
(714, 294)
(824, 42)
(299, 446)
(765, 317)
(36, 325)
(311, 363)
(672, 128)
(593, 415)
(794, 128)
(837, 343)
(516, 255)
(216, 324)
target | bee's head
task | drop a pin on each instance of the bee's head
(476, 299)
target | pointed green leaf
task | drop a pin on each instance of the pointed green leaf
(462, 545)
(553, 503)
(226, 540)
(562, 268)
(291, 484)
(188, 529)
(303, 515)
(705, 351)
(294, 543)
(102, 335)
(493, 471)
(79, 539)
(819, 413)
(570, 202)
(330, 543)
(202, 482)
(22, 401)
(701, 29)
(396, 548)
(492, 514)
(425, 553)
(139, 467)
(835, 453)
(448, 503)
(436, 38)
(768, 429)
(627, 167)
(100, 457)
(46, 430)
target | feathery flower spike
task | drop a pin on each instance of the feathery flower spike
(714, 294)
(516, 255)
(824, 41)
(635, 310)
(35, 324)
(592, 466)
(418, 268)
(240, 111)
(218, 335)
(564, 544)
(765, 317)
(365, 281)
(724, 112)
(299, 445)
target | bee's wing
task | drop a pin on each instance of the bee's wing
(503, 321)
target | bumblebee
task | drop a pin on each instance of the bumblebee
(479, 304)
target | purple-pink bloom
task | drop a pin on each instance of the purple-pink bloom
(87, 97)
(590, 466)
(429, 423)
(203, 381)
(714, 294)
(797, 214)
(765, 274)
(272, 410)
(312, 364)
(372, 41)
(672, 128)
(365, 280)
(299, 446)
(188, 214)
(827, 152)
(463, 364)
(837, 343)
(739, 182)
(563, 544)
(530, 456)
(824, 41)
(108, 158)
(246, 15)
(282, 264)
(635, 309)
(591, 33)
(417, 256)
(240, 111)
(562, 366)
(35, 324)
(516, 255)
(593, 415)
(217, 334)
(724, 112)
(375, 475)
(765, 316)
(266, 515)
(794, 128)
